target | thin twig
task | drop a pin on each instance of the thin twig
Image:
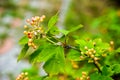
(97, 66)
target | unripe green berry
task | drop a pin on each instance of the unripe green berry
(82, 53)
(89, 53)
(90, 61)
(92, 56)
(30, 40)
(26, 73)
(95, 58)
(94, 51)
(86, 48)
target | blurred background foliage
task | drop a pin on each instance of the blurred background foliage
(100, 18)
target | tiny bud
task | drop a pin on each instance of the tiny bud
(82, 53)
(18, 78)
(75, 66)
(33, 44)
(94, 51)
(94, 43)
(33, 19)
(29, 44)
(37, 18)
(88, 78)
(81, 78)
(86, 52)
(95, 58)
(90, 53)
(25, 32)
(92, 56)
(28, 20)
(22, 73)
(81, 57)
(111, 42)
(84, 73)
(26, 73)
(84, 76)
(35, 33)
(30, 40)
(25, 26)
(29, 36)
(89, 50)
(86, 48)
(32, 23)
(41, 19)
(43, 16)
(34, 47)
(29, 33)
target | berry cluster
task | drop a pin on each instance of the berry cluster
(89, 53)
(22, 76)
(84, 77)
(34, 29)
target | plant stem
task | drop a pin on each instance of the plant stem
(65, 46)
(50, 41)
(72, 47)
(97, 66)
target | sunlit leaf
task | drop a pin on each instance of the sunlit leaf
(76, 28)
(23, 52)
(55, 64)
(23, 40)
(52, 21)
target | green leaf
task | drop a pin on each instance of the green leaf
(52, 21)
(65, 32)
(82, 43)
(107, 71)
(35, 54)
(54, 30)
(76, 28)
(23, 52)
(118, 50)
(97, 76)
(23, 40)
(116, 68)
(56, 63)
(47, 52)
(73, 55)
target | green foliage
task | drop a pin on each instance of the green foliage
(23, 40)
(52, 21)
(73, 55)
(66, 32)
(84, 58)
(98, 76)
(23, 52)
(55, 64)
(116, 68)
